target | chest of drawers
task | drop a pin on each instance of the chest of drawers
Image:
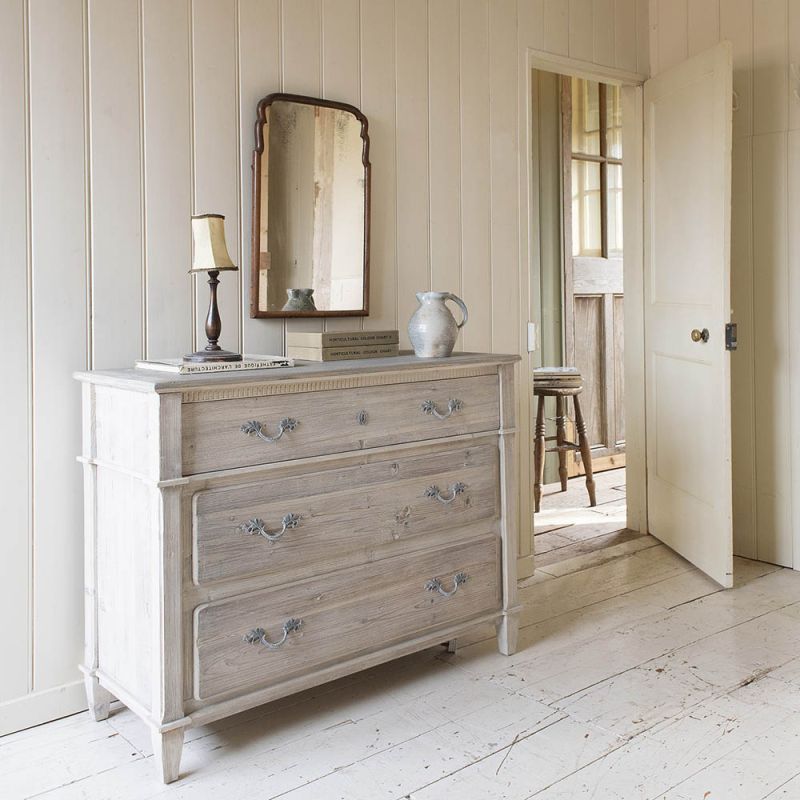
(251, 535)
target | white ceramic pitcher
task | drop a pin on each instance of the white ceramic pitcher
(432, 328)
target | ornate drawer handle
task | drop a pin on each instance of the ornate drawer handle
(455, 490)
(259, 635)
(453, 405)
(257, 527)
(435, 585)
(255, 428)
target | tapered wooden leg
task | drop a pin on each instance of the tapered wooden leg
(538, 455)
(167, 748)
(507, 632)
(586, 452)
(561, 437)
(98, 698)
(452, 646)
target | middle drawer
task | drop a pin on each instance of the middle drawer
(343, 516)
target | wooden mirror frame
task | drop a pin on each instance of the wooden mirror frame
(261, 118)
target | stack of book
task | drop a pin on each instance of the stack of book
(341, 345)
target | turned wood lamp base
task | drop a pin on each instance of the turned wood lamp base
(212, 353)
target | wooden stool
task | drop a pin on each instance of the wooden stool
(559, 382)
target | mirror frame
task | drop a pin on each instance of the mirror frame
(261, 118)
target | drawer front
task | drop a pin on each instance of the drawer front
(340, 517)
(223, 434)
(263, 638)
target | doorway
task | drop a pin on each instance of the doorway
(577, 148)
(678, 330)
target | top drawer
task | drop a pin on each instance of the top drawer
(223, 434)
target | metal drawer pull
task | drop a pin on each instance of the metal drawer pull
(435, 585)
(257, 527)
(453, 405)
(455, 490)
(254, 427)
(259, 635)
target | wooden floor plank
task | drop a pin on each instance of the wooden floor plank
(636, 677)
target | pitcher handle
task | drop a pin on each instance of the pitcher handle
(462, 305)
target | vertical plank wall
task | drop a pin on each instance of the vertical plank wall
(120, 118)
(765, 252)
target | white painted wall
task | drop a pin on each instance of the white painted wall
(765, 252)
(120, 118)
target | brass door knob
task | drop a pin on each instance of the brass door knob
(700, 335)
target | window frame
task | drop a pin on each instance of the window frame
(603, 159)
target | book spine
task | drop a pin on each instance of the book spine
(233, 366)
(344, 339)
(341, 353)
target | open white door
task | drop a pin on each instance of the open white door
(687, 189)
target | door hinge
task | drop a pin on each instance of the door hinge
(731, 340)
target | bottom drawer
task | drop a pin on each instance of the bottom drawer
(254, 640)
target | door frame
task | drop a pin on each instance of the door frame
(633, 278)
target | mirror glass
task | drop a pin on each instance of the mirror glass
(311, 209)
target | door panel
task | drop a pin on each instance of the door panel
(687, 174)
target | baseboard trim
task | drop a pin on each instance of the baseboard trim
(524, 567)
(39, 707)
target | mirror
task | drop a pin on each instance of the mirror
(311, 176)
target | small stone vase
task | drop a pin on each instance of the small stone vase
(300, 300)
(432, 328)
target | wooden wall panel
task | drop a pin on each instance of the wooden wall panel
(475, 177)
(672, 33)
(625, 33)
(530, 24)
(581, 29)
(506, 329)
(341, 73)
(736, 25)
(60, 331)
(301, 24)
(378, 103)
(589, 342)
(556, 33)
(15, 423)
(115, 171)
(794, 65)
(770, 66)
(168, 151)
(603, 50)
(793, 202)
(702, 25)
(413, 199)
(445, 146)
(215, 134)
(772, 407)
(742, 368)
(259, 35)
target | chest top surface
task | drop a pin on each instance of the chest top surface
(394, 369)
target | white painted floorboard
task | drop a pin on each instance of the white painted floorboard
(635, 678)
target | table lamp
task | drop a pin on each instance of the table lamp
(211, 256)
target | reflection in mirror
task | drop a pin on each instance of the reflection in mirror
(310, 209)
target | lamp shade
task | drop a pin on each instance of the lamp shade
(210, 250)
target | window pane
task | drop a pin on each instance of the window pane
(585, 117)
(613, 122)
(614, 210)
(586, 208)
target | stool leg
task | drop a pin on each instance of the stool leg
(561, 437)
(538, 455)
(586, 453)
